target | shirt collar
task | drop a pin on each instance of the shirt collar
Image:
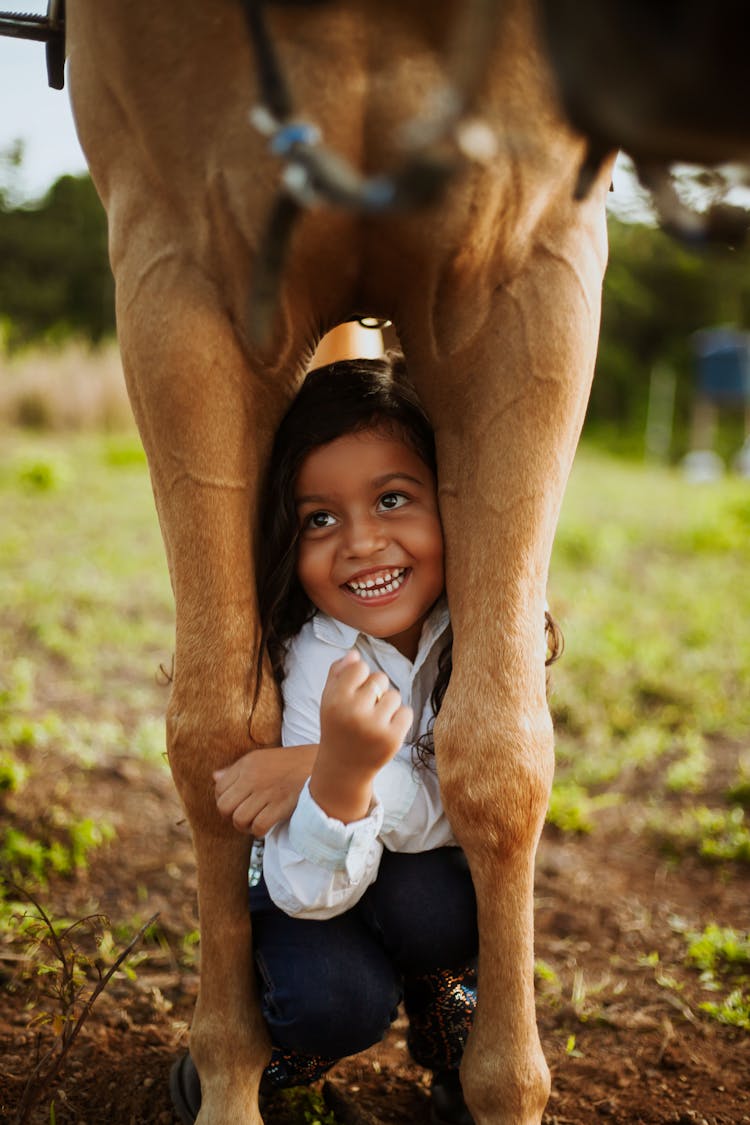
(334, 632)
(331, 631)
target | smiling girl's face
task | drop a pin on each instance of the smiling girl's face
(370, 551)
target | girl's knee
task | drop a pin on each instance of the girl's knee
(330, 1010)
(426, 908)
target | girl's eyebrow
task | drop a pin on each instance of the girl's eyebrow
(312, 498)
(377, 482)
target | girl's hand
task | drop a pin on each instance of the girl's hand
(362, 719)
(363, 724)
(262, 787)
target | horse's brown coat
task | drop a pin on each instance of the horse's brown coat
(495, 294)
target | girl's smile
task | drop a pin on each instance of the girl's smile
(379, 585)
(370, 550)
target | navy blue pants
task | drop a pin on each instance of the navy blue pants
(331, 988)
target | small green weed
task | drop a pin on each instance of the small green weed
(308, 1104)
(718, 948)
(545, 973)
(734, 1011)
(63, 845)
(191, 947)
(548, 983)
(721, 954)
(84, 836)
(571, 807)
(43, 474)
(714, 834)
(17, 690)
(19, 726)
(61, 842)
(13, 773)
(570, 1048)
(688, 773)
(739, 790)
(582, 996)
(28, 732)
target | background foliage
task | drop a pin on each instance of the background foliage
(657, 293)
(55, 280)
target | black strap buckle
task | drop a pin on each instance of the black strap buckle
(49, 29)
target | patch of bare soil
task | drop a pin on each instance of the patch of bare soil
(621, 1026)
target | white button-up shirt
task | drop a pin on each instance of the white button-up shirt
(314, 865)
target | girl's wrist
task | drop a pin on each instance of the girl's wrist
(342, 793)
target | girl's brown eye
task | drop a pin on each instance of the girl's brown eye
(319, 519)
(392, 500)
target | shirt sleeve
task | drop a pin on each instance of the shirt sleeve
(316, 866)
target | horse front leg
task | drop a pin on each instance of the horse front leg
(206, 423)
(507, 410)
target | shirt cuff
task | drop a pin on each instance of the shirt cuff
(329, 843)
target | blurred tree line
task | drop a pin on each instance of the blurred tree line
(657, 293)
(55, 282)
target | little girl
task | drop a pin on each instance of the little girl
(364, 899)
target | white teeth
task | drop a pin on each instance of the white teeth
(382, 584)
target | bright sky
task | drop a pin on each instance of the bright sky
(31, 111)
(42, 119)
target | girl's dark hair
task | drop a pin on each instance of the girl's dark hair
(335, 400)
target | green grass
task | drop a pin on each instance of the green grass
(60, 846)
(722, 956)
(718, 948)
(649, 583)
(84, 592)
(714, 834)
(85, 619)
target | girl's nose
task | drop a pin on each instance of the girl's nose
(365, 536)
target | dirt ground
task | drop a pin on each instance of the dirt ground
(621, 1027)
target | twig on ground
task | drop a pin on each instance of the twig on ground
(49, 1065)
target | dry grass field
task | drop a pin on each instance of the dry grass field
(71, 388)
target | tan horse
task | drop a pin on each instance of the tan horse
(495, 293)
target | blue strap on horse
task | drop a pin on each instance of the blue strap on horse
(315, 175)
